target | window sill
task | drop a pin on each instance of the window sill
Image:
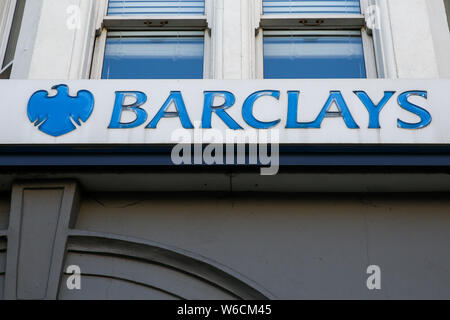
(155, 22)
(312, 21)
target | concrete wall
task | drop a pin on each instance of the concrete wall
(297, 246)
(223, 245)
(440, 34)
(56, 42)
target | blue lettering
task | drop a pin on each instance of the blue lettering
(176, 98)
(374, 110)
(208, 109)
(119, 107)
(424, 115)
(247, 110)
(335, 97)
(292, 114)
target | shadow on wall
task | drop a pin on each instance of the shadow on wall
(2, 264)
(447, 9)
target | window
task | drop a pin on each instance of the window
(11, 13)
(156, 7)
(315, 39)
(152, 40)
(311, 6)
(154, 55)
(313, 54)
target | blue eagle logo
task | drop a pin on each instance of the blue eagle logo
(54, 115)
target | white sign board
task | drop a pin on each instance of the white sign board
(151, 111)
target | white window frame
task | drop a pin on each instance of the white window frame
(150, 23)
(316, 22)
(6, 21)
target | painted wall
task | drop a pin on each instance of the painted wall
(297, 246)
(56, 40)
(276, 245)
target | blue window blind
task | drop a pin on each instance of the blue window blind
(313, 55)
(156, 7)
(311, 6)
(154, 55)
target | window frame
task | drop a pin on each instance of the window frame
(149, 23)
(6, 22)
(316, 22)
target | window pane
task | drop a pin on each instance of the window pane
(156, 7)
(147, 55)
(314, 55)
(311, 6)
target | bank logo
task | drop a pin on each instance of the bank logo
(56, 115)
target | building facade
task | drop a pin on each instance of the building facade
(355, 198)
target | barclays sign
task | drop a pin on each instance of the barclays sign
(335, 98)
(54, 115)
(149, 111)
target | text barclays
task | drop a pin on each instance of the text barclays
(210, 109)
